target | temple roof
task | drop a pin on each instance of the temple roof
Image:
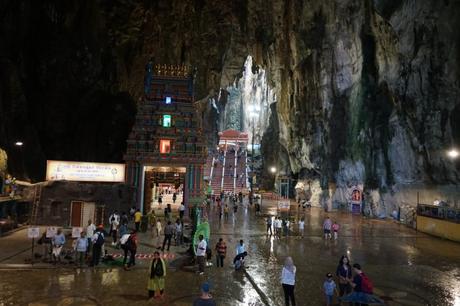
(233, 135)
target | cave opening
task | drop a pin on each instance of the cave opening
(247, 107)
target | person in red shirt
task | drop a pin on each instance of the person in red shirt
(221, 252)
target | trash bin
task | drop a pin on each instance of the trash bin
(144, 223)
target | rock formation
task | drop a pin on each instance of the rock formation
(362, 92)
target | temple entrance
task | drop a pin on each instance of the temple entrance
(163, 186)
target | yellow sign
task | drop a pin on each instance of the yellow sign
(86, 172)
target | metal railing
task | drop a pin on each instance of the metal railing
(445, 213)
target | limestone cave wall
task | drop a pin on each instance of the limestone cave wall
(366, 90)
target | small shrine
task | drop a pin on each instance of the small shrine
(165, 149)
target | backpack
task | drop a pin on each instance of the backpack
(100, 239)
(366, 284)
(159, 268)
(124, 239)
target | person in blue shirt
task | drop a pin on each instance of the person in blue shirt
(58, 243)
(81, 246)
(329, 287)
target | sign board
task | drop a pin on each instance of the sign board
(84, 172)
(283, 205)
(51, 232)
(33, 232)
(76, 232)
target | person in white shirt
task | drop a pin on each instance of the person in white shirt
(200, 254)
(90, 229)
(178, 232)
(114, 221)
(301, 227)
(278, 226)
(181, 210)
(288, 281)
(115, 216)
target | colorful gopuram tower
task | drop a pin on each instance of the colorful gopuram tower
(166, 141)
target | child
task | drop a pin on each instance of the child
(329, 288)
(327, 228)
(335, 229)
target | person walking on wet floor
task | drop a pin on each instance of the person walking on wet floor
(169, 232)
(288, 281)
(329, 288)
(159, 228)
(157, 276)
(205, 299)
(269, 230)
(178, 232)
(181, 210)
(226, 212)
(152, 222)
(160, 200)
(137, 219)
(335, 229)
(200, 254)
(327, 226)
(284, 225)
(344, 275)
(301, 227)
(278, 227)
(221, 252)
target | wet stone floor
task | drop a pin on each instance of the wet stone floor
(406, 267)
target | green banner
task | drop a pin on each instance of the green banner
(201, 229)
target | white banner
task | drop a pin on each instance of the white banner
(82, 171)
(33, 232)
(76, 232)
(284, 205)
(51, 232)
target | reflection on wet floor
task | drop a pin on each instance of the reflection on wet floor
(407, 267)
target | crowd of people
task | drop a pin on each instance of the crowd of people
(348, 284)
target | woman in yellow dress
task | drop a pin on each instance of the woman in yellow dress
(157, 271)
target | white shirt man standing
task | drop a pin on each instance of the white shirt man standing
(90, 229)
(200, 254)
(301, 227)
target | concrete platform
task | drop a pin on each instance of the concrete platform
(407, 267)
